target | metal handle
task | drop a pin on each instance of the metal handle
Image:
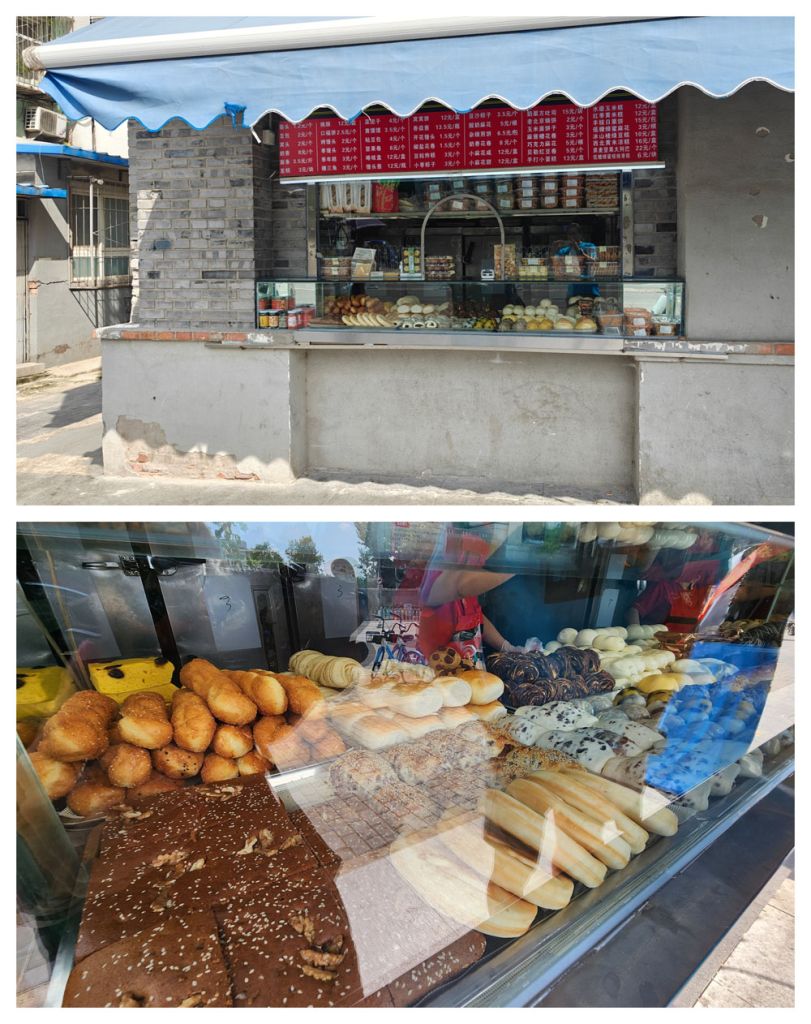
(462, 195)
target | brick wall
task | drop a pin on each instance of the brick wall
(655, 203)
(193, 226)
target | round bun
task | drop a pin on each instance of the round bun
(585, 323)
(564, 324)
(484, 686)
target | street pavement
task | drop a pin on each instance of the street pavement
(59, 462)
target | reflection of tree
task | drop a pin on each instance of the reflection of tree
(305, 552)
(262, 556)
(367, 562)
(231, 540)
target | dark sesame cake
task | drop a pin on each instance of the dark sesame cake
(177, 963)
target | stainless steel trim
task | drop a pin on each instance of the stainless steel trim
(311, 205)
(627, 224)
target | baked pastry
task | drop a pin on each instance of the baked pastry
(225, 699)
(491, 712)
(78, 731)
(455, 691)
(452, 717)
(415, 728)
(485, 687)
(154, 786)
(445, 660)
(415, 699)
(144, 721)
(414, 763)
(176, 762)
(309, 728)
(232, 741)
(329, 745)
(437, 969)
(543, 835)
(126, 765)
(193, 724)
(558, 714)
(264, 729)
(359, 771)
(94, 795)
(218, 769)
(302, 693)
(253, 763)
(120, 677)
(28, 730)
(57, 778)
(601, 838)
(264, 689)
(375, 733)
(178, 963)
(291, 946)
(284, 748)
(452, 888)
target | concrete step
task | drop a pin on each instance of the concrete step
(25, 371)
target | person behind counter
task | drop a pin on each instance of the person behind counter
(574, 245)
(451, 614)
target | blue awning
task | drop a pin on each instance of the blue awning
(71, 153)
(649, 59)
(40, 192)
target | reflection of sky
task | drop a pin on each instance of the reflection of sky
(333, 540)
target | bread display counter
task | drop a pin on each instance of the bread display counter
(614, 308)
(361, 787)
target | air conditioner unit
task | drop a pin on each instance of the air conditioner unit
(46, 122)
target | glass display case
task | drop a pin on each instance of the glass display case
(378, 763)
(509, 253)
(612, 308)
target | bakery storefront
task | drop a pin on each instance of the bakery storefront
(284, 764)
(606, 264)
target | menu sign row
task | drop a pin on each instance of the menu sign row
(490, 139)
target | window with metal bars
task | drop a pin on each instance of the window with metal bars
(99, 237)
(32, 30)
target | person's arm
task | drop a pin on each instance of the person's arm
(494, 638)
(633, 616)
(453, 584)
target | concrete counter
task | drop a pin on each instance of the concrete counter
(712, 430)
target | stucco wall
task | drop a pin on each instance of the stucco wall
(719, 433)
(481, 418)
(62, 320)
(736, 213)
(199, 412)
(621, 427)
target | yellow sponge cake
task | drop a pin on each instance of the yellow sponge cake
(122, 676)
(42, 691)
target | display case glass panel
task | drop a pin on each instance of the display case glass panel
(417, 762)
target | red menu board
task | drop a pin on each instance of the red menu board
(494, 138)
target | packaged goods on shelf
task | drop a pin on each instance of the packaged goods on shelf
(336, 268)
(638, 322)
(602, 190)
(507, 253)
(549, 201)
(440, 268)
(504, 201)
